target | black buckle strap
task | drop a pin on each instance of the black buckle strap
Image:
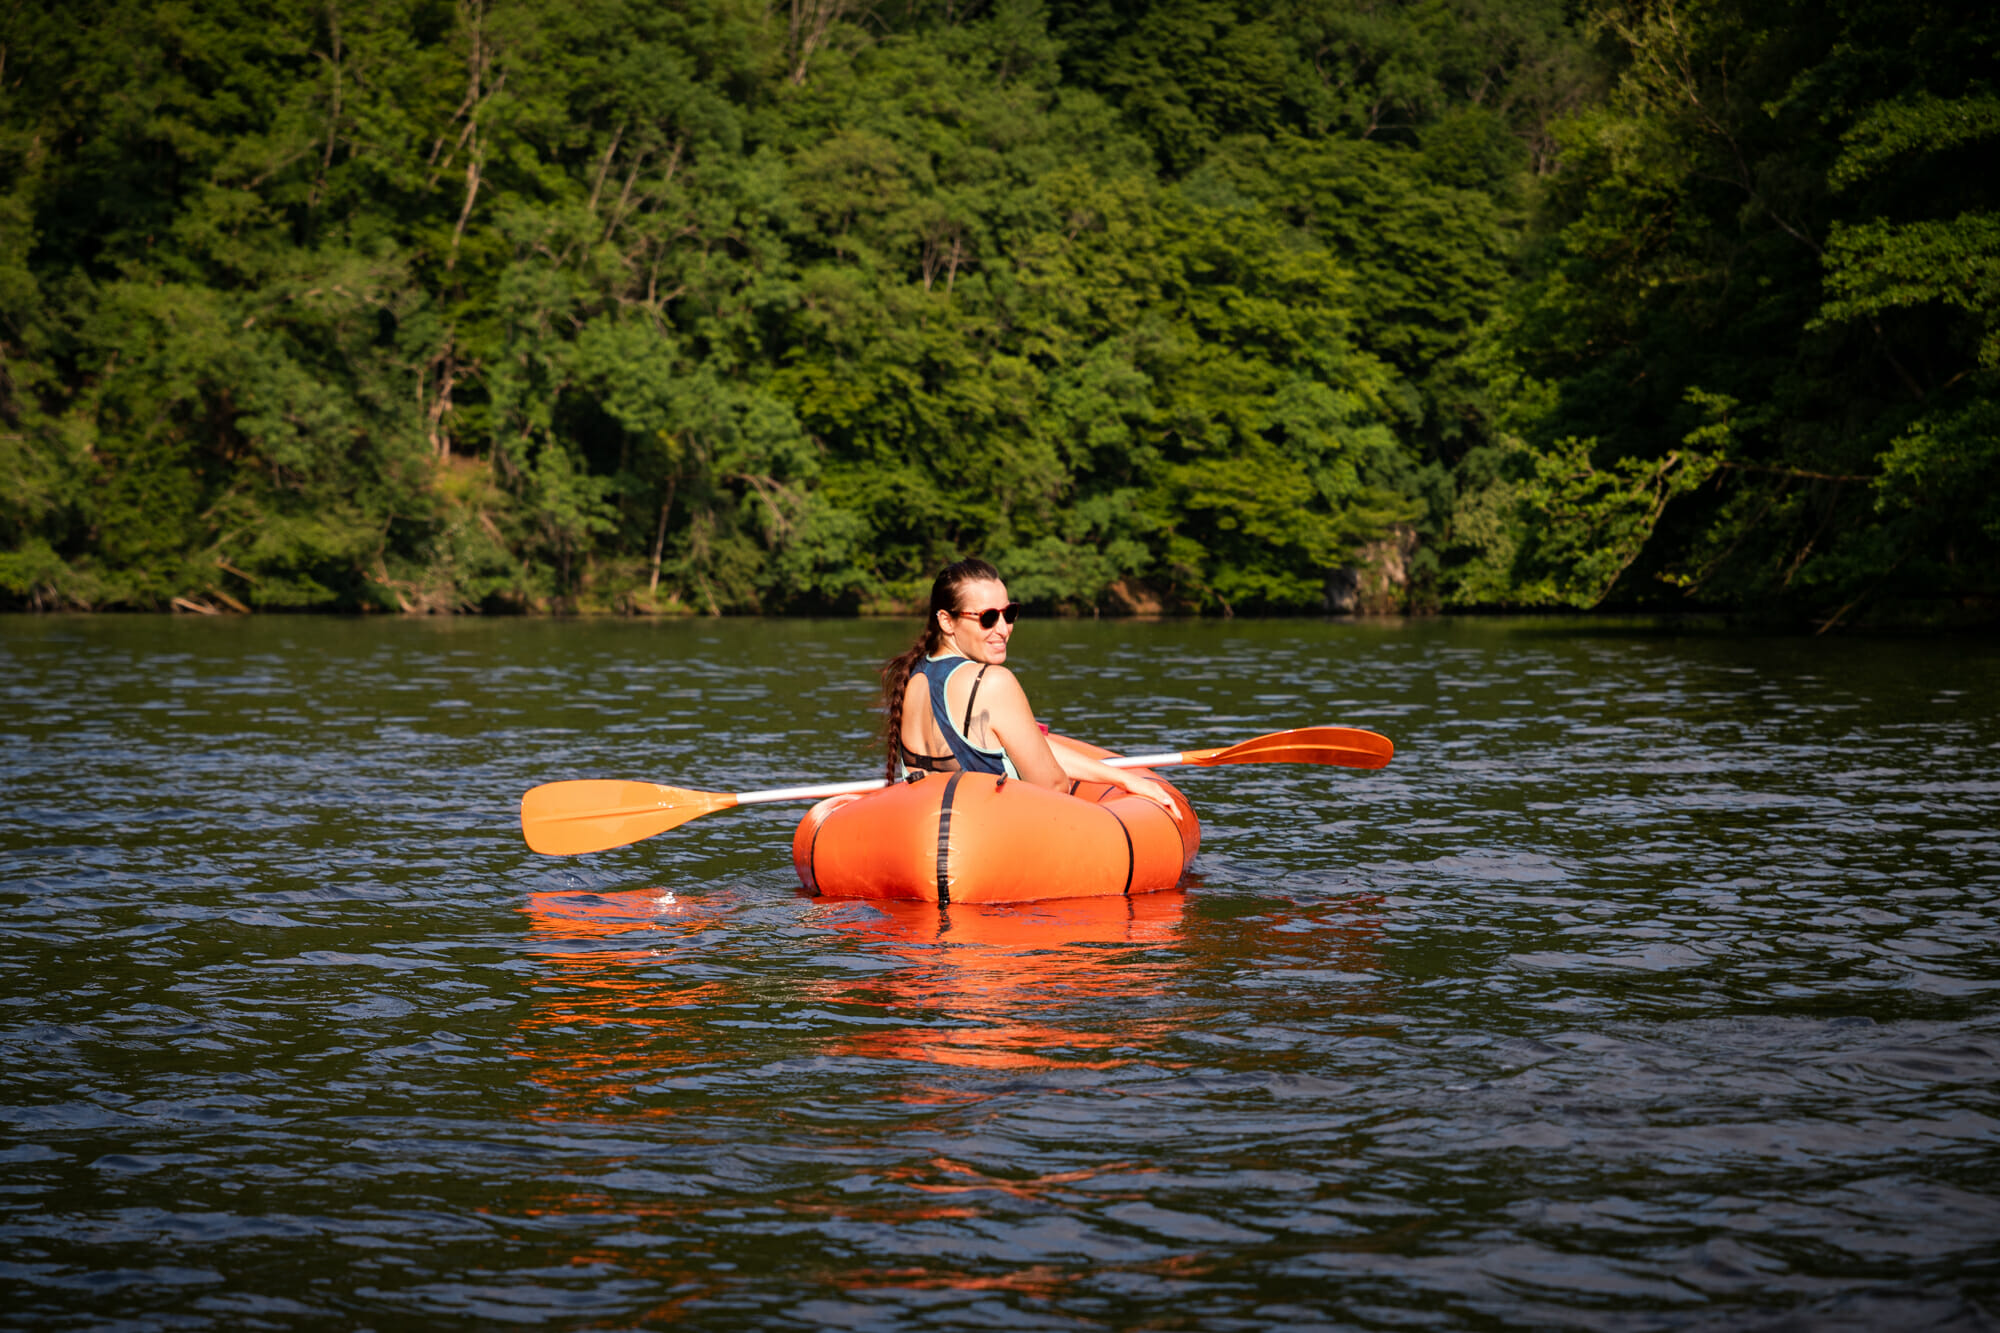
(944, 840)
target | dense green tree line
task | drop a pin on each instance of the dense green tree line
(718, 305)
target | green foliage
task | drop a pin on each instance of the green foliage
(1882, 264)
(610, 305)
(1923, 124)
(1595, 521)
(1879, 265)
(1774, 238)
(1548, 527)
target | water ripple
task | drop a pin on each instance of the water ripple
(1652, 987)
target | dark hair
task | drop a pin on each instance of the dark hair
(896, 671)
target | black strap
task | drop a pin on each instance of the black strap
(966, 726)
(812, 858)
(944, 841)
(1129, 858)
(929, 763)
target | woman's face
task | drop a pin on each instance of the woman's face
(962, 630)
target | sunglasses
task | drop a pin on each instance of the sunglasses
(993, 615)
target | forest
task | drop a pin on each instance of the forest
(1165, 306)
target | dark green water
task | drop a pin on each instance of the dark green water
(1656, 985)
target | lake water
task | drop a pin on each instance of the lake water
(1655, 985)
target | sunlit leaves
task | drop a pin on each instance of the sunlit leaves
(427, 305)
(1879, 265)
(1921, 124)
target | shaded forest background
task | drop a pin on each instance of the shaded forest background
(732, 305)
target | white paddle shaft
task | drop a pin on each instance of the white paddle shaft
(876, 784)
(809, 793)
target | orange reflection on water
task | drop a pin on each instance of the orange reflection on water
(616, 1016)
(1066, 984)
(942, 1175)
(989, 979)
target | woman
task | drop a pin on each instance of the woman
(952, 705)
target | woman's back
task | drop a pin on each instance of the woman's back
(943, 726)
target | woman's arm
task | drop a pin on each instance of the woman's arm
(1013, 722)
(1083, 768)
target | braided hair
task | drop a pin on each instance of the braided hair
(896, 671)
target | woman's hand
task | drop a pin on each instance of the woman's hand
(1148, 788)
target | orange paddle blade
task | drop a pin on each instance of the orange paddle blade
(1347, 747)
(567, 818)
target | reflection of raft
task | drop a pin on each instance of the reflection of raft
(976, 838)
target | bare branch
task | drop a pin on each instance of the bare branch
(1793, 472)
(811, 20)
(603, 167)
(333, 112)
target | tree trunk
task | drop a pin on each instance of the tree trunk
(660, 538)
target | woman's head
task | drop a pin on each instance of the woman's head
(969, 610)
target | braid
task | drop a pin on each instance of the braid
(896, 671)
(895, 683)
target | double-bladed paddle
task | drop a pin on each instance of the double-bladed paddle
(592, 815)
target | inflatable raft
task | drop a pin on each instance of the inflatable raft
(978, 838)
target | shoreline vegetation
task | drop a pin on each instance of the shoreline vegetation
(1169, 308)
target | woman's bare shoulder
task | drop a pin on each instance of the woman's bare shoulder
(1003, 683)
